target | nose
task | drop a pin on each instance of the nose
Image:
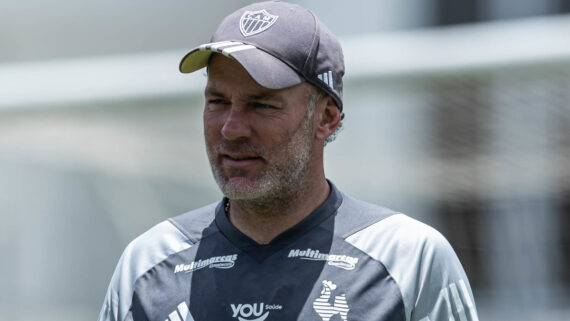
(236, 124)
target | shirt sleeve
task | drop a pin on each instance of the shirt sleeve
(108, 311)
(139, 256)
(432, 282)
(442, 287)
(114, 306)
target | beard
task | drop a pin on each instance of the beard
(283, 173)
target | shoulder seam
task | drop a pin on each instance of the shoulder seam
(183, 231)
(362, 227)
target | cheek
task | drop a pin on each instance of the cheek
(212, 124)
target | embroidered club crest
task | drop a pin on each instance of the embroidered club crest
(254, 22)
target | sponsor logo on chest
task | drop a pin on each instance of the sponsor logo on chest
(341, 261)
(253, 312)
(217, 262)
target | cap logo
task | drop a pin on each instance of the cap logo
(254, 22)
(327, 78)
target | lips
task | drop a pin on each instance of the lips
(240, 160)
(240, 157)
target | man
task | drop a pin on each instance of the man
(284, 243)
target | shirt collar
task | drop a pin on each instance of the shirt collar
(325, 210)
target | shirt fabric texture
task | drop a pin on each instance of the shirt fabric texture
(348, 260)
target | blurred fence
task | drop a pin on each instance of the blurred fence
(466, 128)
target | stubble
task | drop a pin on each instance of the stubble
(280, 182)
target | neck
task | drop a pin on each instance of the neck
(263, 220)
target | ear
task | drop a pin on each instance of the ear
(328, 118)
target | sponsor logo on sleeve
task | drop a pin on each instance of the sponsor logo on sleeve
(215, 262)
(341, 261)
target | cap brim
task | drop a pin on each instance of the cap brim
(265, 69)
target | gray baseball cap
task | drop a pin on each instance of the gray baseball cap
(279, 44)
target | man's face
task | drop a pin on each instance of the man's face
(259, 141)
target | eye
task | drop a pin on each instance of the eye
(217, 101)
(262, 105)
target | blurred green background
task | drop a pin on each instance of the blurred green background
(457, 113)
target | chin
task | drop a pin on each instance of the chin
(241, 188)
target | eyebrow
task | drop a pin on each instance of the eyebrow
(265, 95)
(209, 91)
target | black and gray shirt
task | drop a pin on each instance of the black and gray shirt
(348, 260)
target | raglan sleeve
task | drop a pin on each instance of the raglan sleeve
(117, 299)
(144, 252)
(431, 280)
(108, 311)
(442, 290)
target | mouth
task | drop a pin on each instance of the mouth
(240, 160)
(240, 157)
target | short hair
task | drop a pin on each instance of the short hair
(315, 94)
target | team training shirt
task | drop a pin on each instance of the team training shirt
(348, 260)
